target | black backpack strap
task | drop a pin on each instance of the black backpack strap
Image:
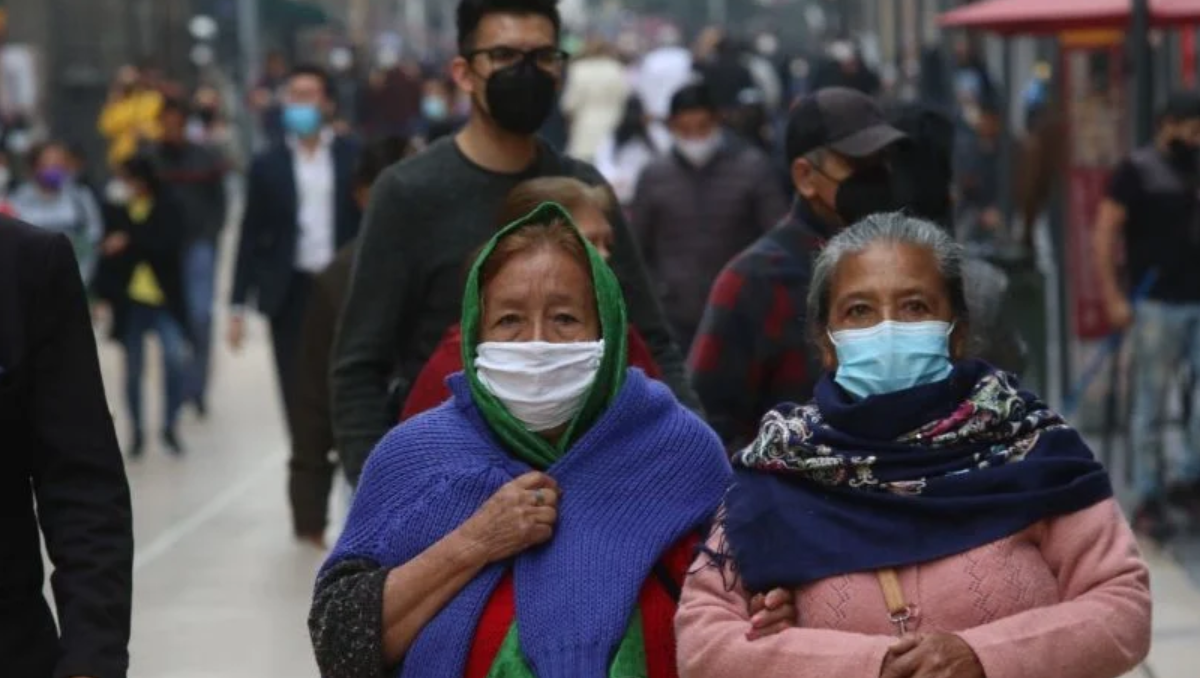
(673, 588)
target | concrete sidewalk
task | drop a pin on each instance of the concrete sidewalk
(1176, 649)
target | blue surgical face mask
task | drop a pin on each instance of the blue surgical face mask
(435, 108)
(303, 120)
(892, 356)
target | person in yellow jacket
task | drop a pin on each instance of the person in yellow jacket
(130, 116)
(141, 277)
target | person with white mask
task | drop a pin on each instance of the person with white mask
(700, 205)
(553, 464)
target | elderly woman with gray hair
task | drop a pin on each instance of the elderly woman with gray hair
(934, 520)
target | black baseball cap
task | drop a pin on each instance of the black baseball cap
(841, 119)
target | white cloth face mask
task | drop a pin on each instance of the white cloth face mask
(543, 385)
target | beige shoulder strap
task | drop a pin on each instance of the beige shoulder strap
(899, 612)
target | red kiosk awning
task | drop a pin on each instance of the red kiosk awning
(1053, 16)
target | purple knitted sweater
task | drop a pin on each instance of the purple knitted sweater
(647, 473)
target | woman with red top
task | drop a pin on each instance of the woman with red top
(588, 206)
(540, 523)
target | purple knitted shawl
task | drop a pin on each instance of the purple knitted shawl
(645, 475)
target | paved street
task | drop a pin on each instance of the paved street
(222, 589)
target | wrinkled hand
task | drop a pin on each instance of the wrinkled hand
(1120, 313)
(236, 335)
(521, 515)
(771, 613)
(937, 655)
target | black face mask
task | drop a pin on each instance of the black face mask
(868, 191)
(207, 115)
(1184, 157)
(521, 97)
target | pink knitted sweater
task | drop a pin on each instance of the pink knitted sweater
(1066, 598)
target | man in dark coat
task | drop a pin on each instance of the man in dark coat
(59, 453)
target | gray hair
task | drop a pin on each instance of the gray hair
(895, 228)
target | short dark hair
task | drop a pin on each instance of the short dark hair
(472, 12)
(142, 168)
(314, 71)
(694, 97)
(378, 156)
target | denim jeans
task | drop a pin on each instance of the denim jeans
(1166, 339)
(176, 354)
(200, 271)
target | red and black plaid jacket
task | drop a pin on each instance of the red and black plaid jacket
(752, 351)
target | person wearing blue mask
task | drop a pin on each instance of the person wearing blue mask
(300, 211)
(930, 516)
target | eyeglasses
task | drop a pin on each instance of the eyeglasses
(545, 58)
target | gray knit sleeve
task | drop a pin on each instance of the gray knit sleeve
(346, 620)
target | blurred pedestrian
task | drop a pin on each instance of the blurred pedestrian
(844, 67)
(429, 212)
(62, 474)
(392, 99)
(300, 211)
(593, 99)
(977, 177)
(751, 353)
(437, 110)
(266, 100)
(727, 75)
(130, 116)
(141, 278)
(209, 126)
(923, 174)
(195, 175)
(50, 199)
(1153, 205)
(699, 206)
(311, 424)
(625, 154)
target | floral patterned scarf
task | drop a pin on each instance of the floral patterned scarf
(844, 485)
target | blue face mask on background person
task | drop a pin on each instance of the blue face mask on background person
(434, 109)
(892, 356)
(303, 120)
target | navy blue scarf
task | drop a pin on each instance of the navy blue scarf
(843, 486)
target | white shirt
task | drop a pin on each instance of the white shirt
(594, 101)
(664, 72)
(623, 168)
(316, 245)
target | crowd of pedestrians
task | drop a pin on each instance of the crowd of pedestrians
(679, 394)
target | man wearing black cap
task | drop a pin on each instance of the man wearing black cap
(700, 205)
(1153, 204)
(752, 350)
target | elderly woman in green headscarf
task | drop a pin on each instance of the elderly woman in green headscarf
(540, 522)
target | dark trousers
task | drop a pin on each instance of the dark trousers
(286, 325)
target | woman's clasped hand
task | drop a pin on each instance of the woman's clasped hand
(934, 655)
(520, 516)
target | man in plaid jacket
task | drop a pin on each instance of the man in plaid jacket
(752, 351)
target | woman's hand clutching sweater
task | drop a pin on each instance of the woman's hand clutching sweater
(520, 516)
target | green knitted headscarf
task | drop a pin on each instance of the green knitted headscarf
(520, 441)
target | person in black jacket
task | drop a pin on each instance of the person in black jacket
(59, 453)
(142, 279)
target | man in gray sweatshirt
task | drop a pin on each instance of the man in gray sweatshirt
(428, 213)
